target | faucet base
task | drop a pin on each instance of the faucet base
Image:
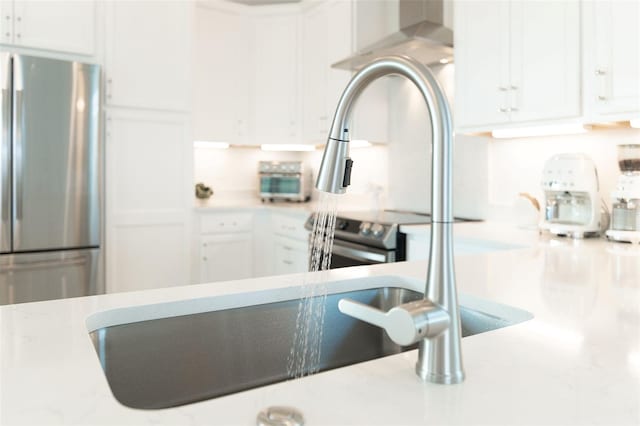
(441, 379)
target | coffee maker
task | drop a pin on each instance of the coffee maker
(573, 206)
(625, 218)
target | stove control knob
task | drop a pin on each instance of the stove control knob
(342, 225)
(377, 230)
(365, 228)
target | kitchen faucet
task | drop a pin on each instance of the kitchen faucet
(434, 321)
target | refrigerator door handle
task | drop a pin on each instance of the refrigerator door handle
(5, 154)
(18, 158)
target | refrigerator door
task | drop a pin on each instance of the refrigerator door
(5, 152)
(32, 277)
(56, 152)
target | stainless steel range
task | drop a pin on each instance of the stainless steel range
(367, 238)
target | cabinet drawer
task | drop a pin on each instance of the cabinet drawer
(223, 223)
(290, 226)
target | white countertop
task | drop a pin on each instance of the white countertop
(576, 362)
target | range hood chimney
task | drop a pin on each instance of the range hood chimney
(422, 35)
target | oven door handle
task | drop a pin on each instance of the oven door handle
(357, 254)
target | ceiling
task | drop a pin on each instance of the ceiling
(264, 2)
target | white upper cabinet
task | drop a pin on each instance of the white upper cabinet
(612, 59)
(148, 46)
(223, 74)
(516, 62)
(65, 26)
(482, 63)
(276, 85)
(326, 39)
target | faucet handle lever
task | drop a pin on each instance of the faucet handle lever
(405, 324)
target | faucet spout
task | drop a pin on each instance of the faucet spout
(439, 358)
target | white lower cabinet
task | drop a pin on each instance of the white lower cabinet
(249, 243)
(226, 257)
(291, 256)
(226, 246)
(290, 243)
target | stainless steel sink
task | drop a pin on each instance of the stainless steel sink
(181, 359)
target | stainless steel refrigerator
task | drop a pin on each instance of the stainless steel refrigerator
(50, 187)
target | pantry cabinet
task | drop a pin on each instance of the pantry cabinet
(148, 46)
(516, 62)
(65, 26)
(148, 190)
(612, 59)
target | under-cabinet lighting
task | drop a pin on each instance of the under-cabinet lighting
(444, 61)
(635, 123)
(360, 143)
(211, 144)
(556, 129)
(287, 147)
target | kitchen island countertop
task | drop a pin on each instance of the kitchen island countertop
(576, 362)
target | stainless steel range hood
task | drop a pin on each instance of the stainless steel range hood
(422, 34)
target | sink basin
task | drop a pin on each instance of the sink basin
(165, 362)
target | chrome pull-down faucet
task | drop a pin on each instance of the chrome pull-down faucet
(434, 322)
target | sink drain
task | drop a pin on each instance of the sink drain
(280, 416)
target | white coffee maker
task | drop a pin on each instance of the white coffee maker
(625, 218)
(572, 206)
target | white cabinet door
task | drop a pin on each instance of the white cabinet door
(222, 70)
(148, 54)
(291, 256)
(614, 74)
(544, 60)
(326, 39)
(315, 64)
(226, 257)
(148, 190)
(516, 62)
(482, 63)
(67, 26)
(276, 86)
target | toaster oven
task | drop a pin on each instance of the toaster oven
(284, 180)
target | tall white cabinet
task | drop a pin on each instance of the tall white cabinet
(516, 62)
(148, 176)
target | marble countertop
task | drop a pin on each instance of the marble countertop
(576, 362)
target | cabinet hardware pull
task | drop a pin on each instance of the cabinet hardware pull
(512, 87)
(505, 109)
(513, 109)
(502, 88)
(288, 262)
(204, 258)
(600, 72)
(602, 98)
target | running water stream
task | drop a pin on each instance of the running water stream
(304, 357)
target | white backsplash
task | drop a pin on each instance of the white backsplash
(232, 173)
(515, 165)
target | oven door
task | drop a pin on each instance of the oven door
(346, 253)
